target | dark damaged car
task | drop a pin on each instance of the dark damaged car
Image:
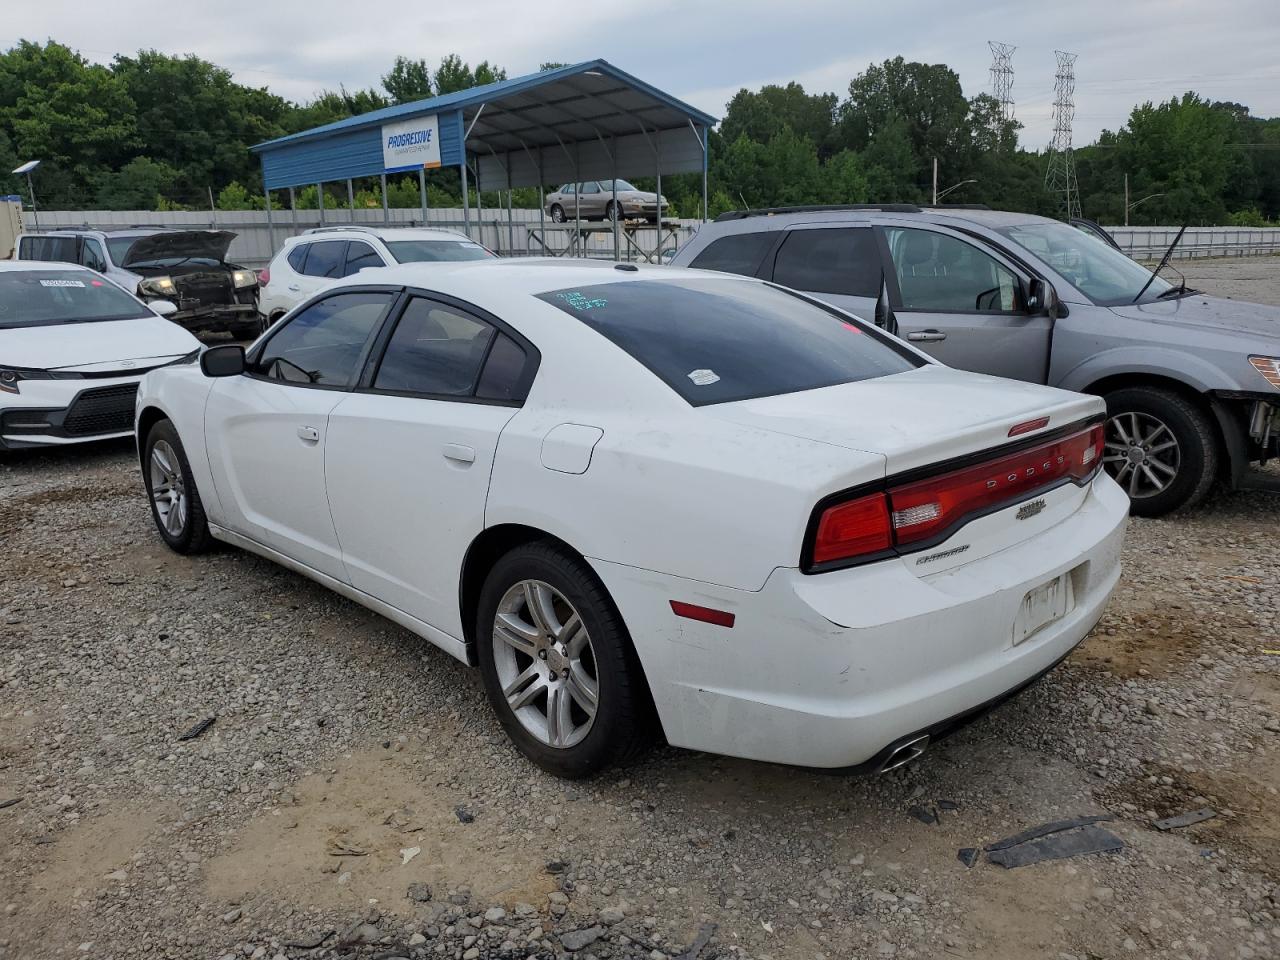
(189, 268)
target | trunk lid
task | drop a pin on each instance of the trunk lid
(914, 419)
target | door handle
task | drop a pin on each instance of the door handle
(294, 287)
(308, 434)
(459, 453)
(926, 336)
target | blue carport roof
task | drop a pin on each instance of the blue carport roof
(561, 105)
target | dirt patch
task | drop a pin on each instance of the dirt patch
(1246, 800)
(340, 843)
(78, 864)
(1155, 642)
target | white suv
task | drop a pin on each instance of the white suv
(307, 263)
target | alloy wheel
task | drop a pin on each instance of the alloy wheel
(168, 490)
(546, 664)
(1141, 453)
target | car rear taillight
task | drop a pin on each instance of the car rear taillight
(916, 515)
(852, 529)
(264, 276)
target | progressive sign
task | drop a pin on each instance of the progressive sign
(411, 144)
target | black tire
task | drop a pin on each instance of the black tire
(557, 213)
(623, 724)
(1196, 456)
(611, 211)
(192, 535)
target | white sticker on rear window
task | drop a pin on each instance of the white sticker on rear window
(470, 246)
(704, 378)
(62, 283)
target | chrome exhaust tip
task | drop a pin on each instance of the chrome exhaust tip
(905, 754)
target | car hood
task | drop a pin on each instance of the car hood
(1199, 310)
(69, 345)
(208, 244)
(913, 419)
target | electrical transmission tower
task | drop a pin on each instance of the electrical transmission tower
(1002, 77)
(1060, 177)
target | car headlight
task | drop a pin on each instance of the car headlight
(10, 377)
(244, 278)
(1269, 367)
(157, 287)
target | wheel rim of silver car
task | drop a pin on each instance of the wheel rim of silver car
(546, 664)
(168, 491)
(1141, 453)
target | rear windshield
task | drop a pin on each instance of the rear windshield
(716, 341)
(424, 251)
(38, 298)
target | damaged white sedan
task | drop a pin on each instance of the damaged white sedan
(646, 499)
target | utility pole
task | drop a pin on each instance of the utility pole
(1002, 78)
(1060, 177)
(1126, 199)
(935, 181)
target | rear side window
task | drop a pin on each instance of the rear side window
(326, 259)
(736, 253)
(359, 256)
(298, 256)
(716, 341)
(56, 249)
(435, 350)
(503, 377)
(830, 260)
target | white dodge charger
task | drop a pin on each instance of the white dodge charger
(639, 497)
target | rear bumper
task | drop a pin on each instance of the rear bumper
(835, 670)
(55, 412)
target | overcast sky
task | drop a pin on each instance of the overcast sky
(1129, 51)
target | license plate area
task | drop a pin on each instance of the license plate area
(1042, 606)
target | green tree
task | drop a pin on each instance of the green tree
(454, 74)
(139, 185)
(761, 115)
(408, 80)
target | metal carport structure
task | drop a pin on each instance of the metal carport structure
(589, 121)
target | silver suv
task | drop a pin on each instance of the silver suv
(1192, 382)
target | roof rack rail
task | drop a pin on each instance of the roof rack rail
(359, 227)
(820, 208)
(955, 206)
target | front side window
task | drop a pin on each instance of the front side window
(359, 256)
(718, 340)
(430, 251)
(52, 249)
(435, 350)
(830, 260)
(322, 345)
(41, 298)
(592, 187)
(1094, 267)
(326, 259)
(569, 188)
(941, 274)
(737, 253)
(607, 186)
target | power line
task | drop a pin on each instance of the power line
(1060, 177)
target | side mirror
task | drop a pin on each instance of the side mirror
(223, 361)
(163, 308)
(1043, 298)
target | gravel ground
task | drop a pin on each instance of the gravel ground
(355, 796)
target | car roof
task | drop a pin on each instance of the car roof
(782, 216)
(475, 279)
(19, 266)
(382, 233)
